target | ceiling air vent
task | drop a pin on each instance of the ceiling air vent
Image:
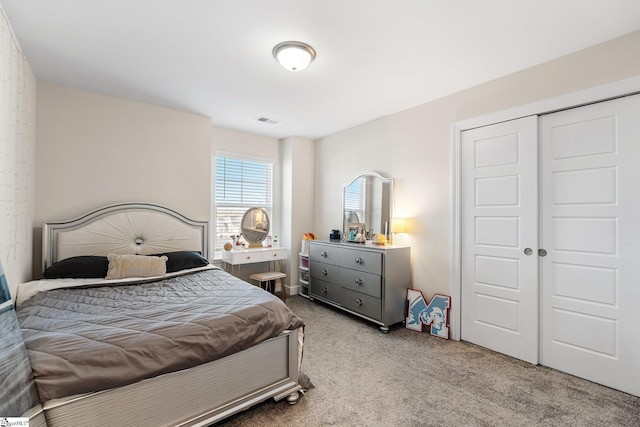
(267, 120)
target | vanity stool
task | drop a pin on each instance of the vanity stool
(267, 280)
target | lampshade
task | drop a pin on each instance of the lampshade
(294, 56)
(399, 225)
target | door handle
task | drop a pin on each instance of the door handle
(541, 252)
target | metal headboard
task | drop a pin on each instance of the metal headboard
(125, 228)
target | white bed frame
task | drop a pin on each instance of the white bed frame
(197, 396)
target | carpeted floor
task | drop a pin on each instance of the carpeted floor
(365, 378)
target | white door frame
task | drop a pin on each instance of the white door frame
(576, 99)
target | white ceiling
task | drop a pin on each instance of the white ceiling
(374, 57)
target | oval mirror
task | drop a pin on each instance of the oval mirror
(255, 226)
(367, 206)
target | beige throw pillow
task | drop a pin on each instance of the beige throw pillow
(124, 266)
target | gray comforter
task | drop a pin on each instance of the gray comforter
(18, 393)
(88, 339)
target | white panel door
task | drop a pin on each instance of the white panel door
(590, 227)
(499, 238)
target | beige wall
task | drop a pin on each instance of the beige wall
(414, 147)
(17, 157)
(94, 150)
(297, 158)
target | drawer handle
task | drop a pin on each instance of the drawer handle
(359, 260)
(248, 256)
(324, 272)
(358, 302)
(323, 254)
(358, 281)
(324, 290)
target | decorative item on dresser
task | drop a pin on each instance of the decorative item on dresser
(366, 280)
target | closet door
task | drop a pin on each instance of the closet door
(590, 228)
(499, 237)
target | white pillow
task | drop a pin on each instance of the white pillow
(124, 266)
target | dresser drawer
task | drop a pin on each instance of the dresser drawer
(322, 271)
(353, 258)
(326, 254)
(325, 290)
(365, 305)
(360, 281)
(370, 262)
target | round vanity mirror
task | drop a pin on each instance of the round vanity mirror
(255, 226)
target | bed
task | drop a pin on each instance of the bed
(185, 346)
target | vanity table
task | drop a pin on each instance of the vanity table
(236, 258)
(255, 226)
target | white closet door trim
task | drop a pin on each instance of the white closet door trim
(583, 97)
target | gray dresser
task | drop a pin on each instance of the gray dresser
(363, 279)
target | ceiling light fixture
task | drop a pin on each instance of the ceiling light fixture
(294, 56)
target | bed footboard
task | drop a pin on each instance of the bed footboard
(198, 396)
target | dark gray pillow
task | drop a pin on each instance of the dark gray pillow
(78, 267)
(183, 260)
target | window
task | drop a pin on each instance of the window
(240, 184)
(354, 201)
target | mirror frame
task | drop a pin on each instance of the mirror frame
(364, 174)
(255, 243)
